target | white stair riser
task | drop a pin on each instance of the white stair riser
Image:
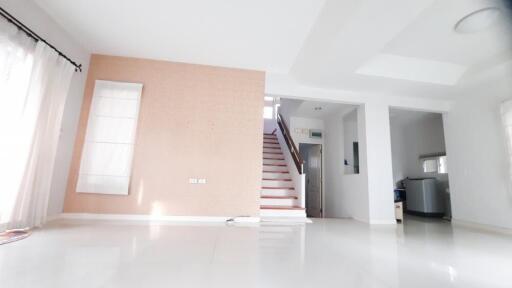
(274, 161)
(272, 150)
(273, 175)
(278, 202)
(273, 156)
(270, 144)
(277, 192)
(275, 229)
(276, 183)
(275, 236)
(275, 168)
(282, 213)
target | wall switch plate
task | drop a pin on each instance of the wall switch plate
(192, 181)
(202, 181)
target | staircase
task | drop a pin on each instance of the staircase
(278, 195)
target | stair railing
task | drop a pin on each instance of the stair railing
(297, 158)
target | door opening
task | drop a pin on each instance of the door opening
(312, 155)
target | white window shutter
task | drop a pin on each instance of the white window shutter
(107, 155)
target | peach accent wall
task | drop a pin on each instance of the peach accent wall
(195, 122)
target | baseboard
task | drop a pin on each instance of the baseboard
(481, 227)
(141, 217)
(52, 217)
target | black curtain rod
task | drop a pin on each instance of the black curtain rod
(33, 35)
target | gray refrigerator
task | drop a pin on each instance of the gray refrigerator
(423, 197)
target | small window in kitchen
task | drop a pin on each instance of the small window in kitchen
(434, 164)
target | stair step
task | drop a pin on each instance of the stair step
(282, 172)
(278, 165)
(278, 192)
(281, 207)
(274, 161)
(278, 183)
(279, 188)
(276, 179)
(272, 147)
(277, 176)
(279, 197)
(274, 153)
(272, 150)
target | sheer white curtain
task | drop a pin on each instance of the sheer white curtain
(506, 116)
(34, 81)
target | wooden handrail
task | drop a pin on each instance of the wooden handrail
(291, 145)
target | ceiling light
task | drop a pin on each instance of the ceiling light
(318, 108)
(478, 20)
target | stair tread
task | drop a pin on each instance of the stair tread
(275, 179)
(278, 188)
(280, 172)
(281, 207)
(278, 197)
(278, 165)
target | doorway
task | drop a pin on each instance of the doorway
(420, 167)
(312, 155)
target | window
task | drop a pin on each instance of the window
(107, 154)
(434, 164)
(506, 116)
(268, 112)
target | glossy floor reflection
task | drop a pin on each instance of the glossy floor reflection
(326, 253)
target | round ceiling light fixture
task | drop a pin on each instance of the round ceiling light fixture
(318, 108)
(478, 20)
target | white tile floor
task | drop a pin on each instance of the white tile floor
(327, 253)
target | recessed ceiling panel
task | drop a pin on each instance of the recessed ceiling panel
(413, 69)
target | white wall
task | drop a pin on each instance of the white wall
(345, 195)
(299, 128)
(414, 134)
(477, 156)
(32, 16)
(378, 161)
(334, 198)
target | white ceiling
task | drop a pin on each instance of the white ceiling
(263, 35)
(397, 47)
(430, 58)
